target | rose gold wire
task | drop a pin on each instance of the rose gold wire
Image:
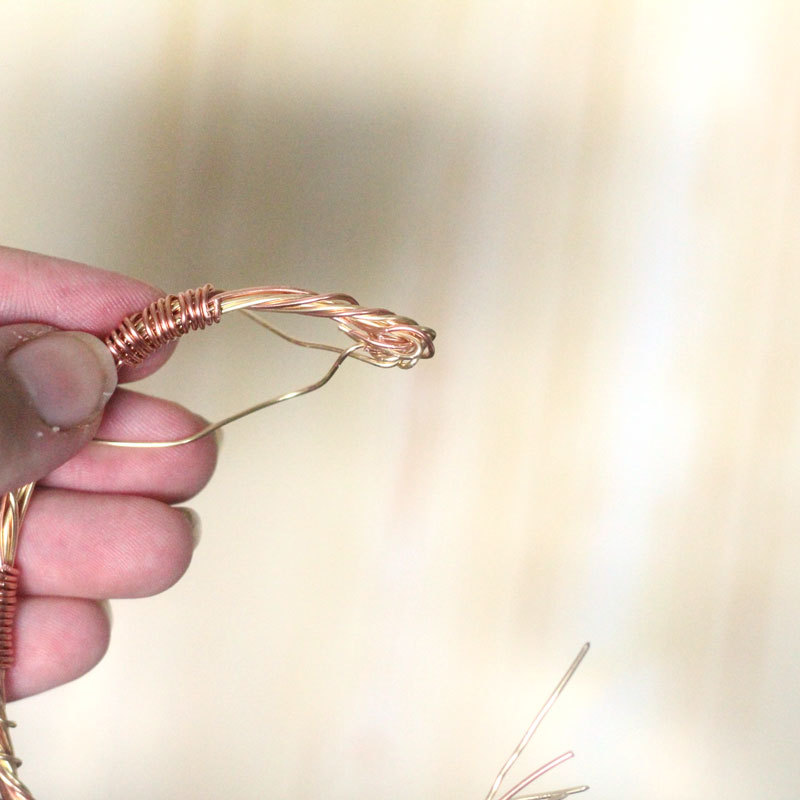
(13, 507)
(161, 322)
(537, 721)
(214, 426)
(9, 583)
(387, 339)
(381, 338)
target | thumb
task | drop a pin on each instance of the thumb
(53, 387)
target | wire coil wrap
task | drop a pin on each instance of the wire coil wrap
(161, 322)
(9, 582)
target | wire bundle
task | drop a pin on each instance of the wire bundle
(387, 339)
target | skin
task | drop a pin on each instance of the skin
(101, 523)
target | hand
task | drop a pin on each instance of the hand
(100, 524)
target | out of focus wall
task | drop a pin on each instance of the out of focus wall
(596, 205)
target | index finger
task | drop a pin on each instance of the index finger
(73, 296)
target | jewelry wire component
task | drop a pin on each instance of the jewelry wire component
(559, 794)
(13, 506)
(379, 337)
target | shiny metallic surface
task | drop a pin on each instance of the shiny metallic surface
(9, 582)
(162, 321)
(387, 339)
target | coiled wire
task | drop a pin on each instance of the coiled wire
(9, 583)
(161, 322)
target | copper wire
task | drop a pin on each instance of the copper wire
(387, 339)
(13, 507)
(9, 583)
(161, 322)
(381, 337)
(532, 728)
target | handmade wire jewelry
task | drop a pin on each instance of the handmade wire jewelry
(378, 337)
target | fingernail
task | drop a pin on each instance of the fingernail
(68, 376)
(194, 524)
(105, 605)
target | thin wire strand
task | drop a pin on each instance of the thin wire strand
(537, 721)
(331, 348)
(558, 794)
(214, 426)
(514, 791)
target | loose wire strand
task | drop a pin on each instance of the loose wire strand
(525, 782)
(214, 426)
(537, 721)
(558, 794)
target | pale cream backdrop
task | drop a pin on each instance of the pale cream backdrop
(596, 206)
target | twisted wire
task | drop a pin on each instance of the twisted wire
(387, 339)
(161, 322)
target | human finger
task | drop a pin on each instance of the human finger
(98, 546)
(171, 474)
(56, 641)
(53, 387)
(73, 296)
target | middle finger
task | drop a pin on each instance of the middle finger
(81, 544)
(172, 474)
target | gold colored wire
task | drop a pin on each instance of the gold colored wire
(214, 426)
(13, 507)
(532, 728)
(388, 339)
(559, 794)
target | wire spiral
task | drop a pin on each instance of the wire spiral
(9, 582)
(161, 322)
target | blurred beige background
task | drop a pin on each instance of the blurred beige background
(596, 206)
